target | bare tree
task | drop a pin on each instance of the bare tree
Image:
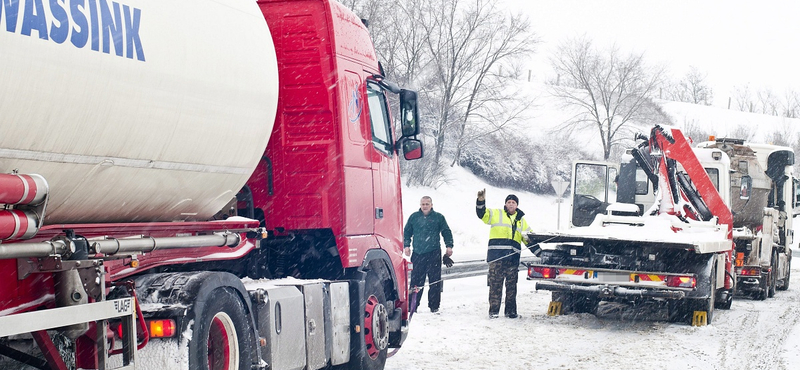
(468, 44)
(692, 88)
(791, 104)
(768, 103)
(743, 132)
(782, 136)
(693, 130)
(744, 99)
(610, 91)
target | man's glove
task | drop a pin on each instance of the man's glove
(535, 249)
(482, 194)
(447, 261)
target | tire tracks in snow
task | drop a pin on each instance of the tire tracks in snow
(753, 337)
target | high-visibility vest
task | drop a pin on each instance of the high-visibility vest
(501, 242)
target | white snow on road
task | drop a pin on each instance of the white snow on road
(751, 335)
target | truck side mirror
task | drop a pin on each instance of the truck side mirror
(409, 118)
(746, 188)
(412, 149)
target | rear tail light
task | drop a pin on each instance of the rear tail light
(750, 271)
(681, 281)
(158, 328)
(542, 272)
(162, 328)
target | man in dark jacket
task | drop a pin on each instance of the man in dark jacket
(424, 227)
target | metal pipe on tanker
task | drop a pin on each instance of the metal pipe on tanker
(30, 250)
(115, 246)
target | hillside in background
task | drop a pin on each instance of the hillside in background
(539, 149)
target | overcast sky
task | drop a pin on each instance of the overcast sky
(736, 42)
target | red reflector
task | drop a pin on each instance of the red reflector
(750, 271)
(681, 281)
(162, 328)
(543, 272)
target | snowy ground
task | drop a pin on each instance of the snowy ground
(751, 335)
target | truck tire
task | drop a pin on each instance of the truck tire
(678, 311)
(708, 304)
(785, 284)
(726, 302)
(220, 334)
(773, 280)
(762, 293)
(376, 328)
(576, 303)
(683, 310)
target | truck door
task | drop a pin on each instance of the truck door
(385, 172)
(593, 189)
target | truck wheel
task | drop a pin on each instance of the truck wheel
(773, 281)
(678, 311)
(726, 301)
(785, 284)
(220, 335)
(376, 327)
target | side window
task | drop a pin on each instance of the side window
(379, 118)
(713, 174)
(642, 182)
(591, 180)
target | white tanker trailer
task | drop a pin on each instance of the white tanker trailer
(169, 130)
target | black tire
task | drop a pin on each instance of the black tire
(576, 303)
(773, 281)
(376, 330)
(725, 304)
(683, 310)
(762, 293)
(709, 303)
(221, 334)
(785, 285)
(679, 311)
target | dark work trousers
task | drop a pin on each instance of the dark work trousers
(427, 265)
(503, 269)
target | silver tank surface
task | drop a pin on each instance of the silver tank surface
(136, 110)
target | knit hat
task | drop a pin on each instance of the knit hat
(512, 197)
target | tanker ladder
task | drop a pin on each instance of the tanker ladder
(38, 322)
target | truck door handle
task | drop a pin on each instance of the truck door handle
(378, 213)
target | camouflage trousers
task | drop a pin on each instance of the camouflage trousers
(504, 269)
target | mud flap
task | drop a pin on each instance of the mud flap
(554, 309)
(700, 318)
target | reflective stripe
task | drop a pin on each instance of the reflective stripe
(502, 247)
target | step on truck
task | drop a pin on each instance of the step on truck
(199, 185)
(677, 252)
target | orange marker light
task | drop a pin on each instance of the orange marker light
(162, 328)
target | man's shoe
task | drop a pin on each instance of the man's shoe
(435, 310)
(512, 315)
(493, 315)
